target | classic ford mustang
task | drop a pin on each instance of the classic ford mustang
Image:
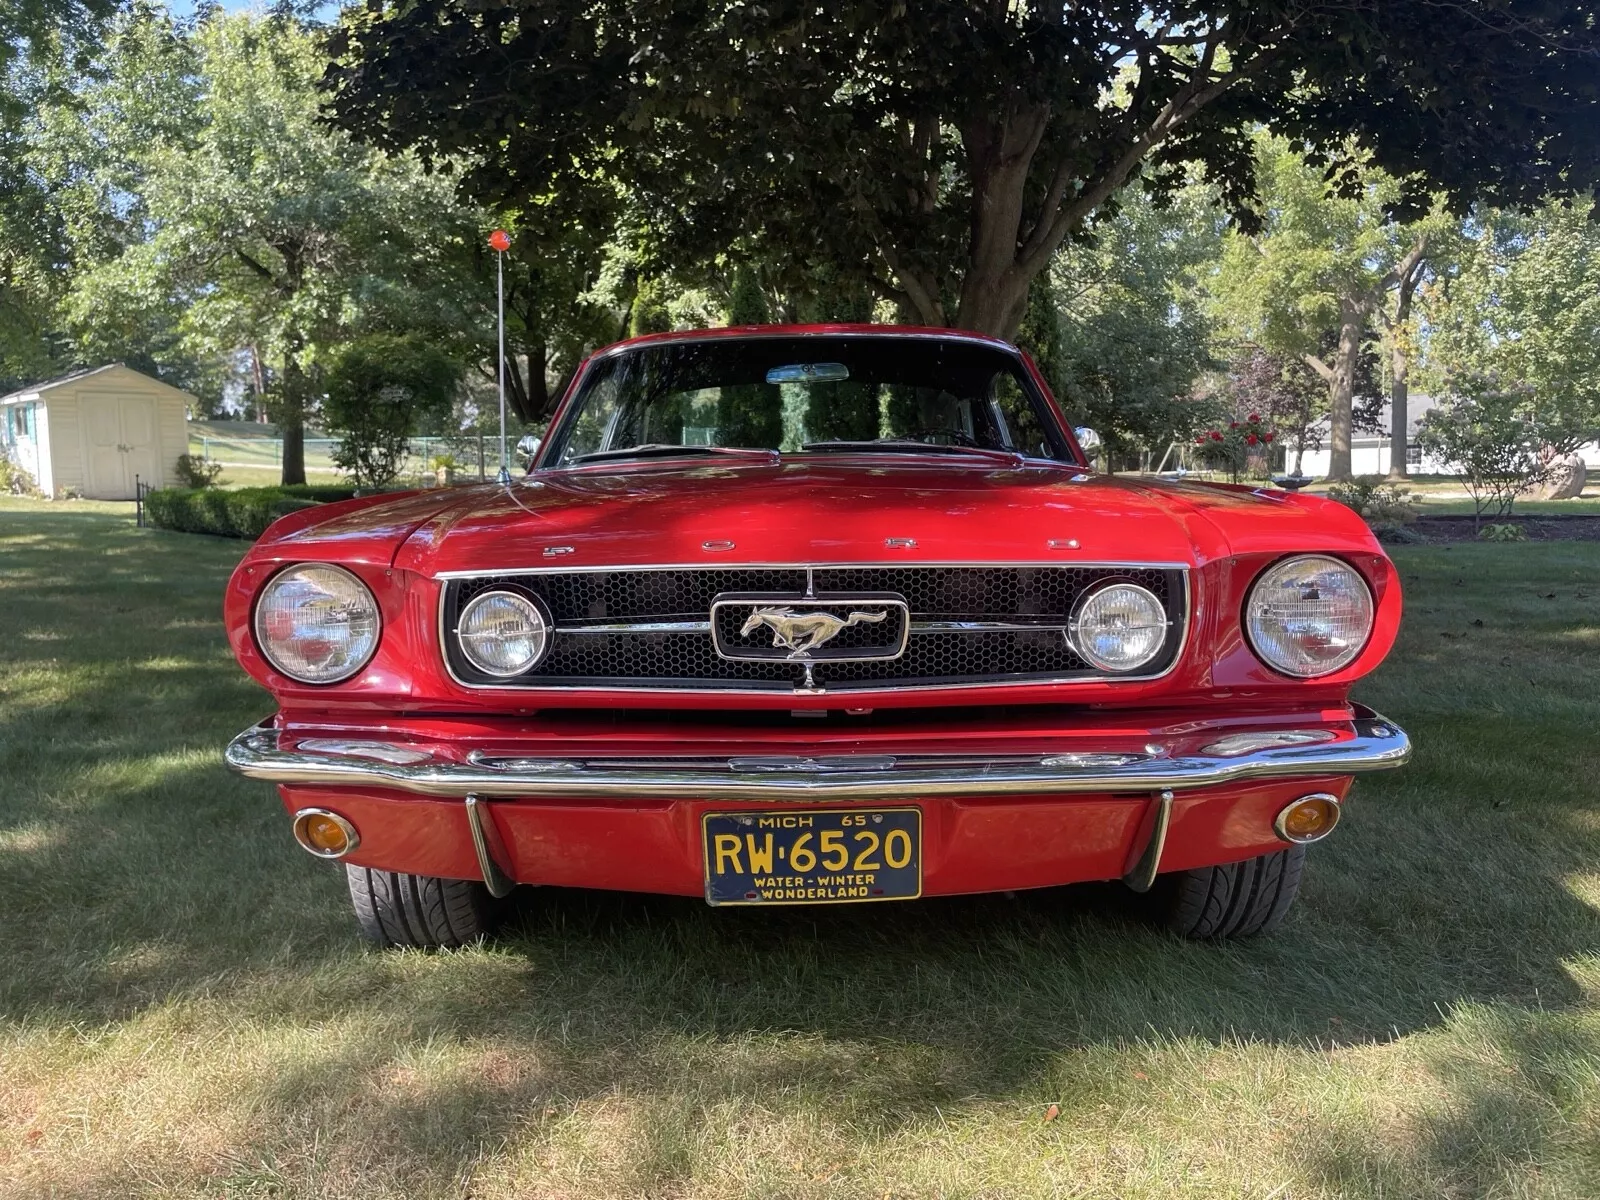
(814, 615)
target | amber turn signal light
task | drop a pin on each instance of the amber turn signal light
(325, 834)
(1308, 819)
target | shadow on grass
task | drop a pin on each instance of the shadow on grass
(137, 875)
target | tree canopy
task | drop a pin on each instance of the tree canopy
(942, 152)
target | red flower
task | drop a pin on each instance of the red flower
(1267, 437)
(1255, 416)
(1215, 436)
(1252, 439)
(1201, 440)
(1233, 424)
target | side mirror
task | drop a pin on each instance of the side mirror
(527, 449)
(1087, 438)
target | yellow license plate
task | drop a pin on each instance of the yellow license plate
(819, 856)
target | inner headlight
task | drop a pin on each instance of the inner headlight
(1309, 615)
(1119, 627)
(317, 623)
(503, 633)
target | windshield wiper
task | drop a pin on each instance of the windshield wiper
(911, 446)
(667, 450)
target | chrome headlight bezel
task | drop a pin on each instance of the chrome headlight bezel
(531, 605)
(1082, 608)
(335, 579)
(1255, 613)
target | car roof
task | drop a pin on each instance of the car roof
(757, 331)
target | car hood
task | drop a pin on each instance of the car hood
(848, 511)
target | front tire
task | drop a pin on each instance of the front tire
(1235, 900)
(396, 909)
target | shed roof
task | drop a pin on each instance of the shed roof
(75, 376)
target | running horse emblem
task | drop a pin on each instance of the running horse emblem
(802, 632)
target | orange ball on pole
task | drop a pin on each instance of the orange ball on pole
(500, 240)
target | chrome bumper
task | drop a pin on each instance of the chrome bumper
(1366, 742)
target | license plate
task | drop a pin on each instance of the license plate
(831, 856)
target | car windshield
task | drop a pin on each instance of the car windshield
(817, 394)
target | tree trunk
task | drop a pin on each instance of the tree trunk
(1342, 388)
(1400, 359)
(293, 429)
(1399, 394)
(291, 418)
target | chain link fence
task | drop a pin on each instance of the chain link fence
(468, 456)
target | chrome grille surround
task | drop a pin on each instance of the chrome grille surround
(648, 628)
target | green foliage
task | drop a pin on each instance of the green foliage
(380, 389)
(239, 513)
(1490, 436)
(1283, 390)
(1117, 326)
(14, 481)
(1376, 502)
(1502, 533)
(1524, 305)
(196, 472)
(1232, 446)
(942, 154)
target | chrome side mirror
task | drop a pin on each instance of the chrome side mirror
(1087, 438)
(528, 449)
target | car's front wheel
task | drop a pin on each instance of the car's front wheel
(1236, 899)
(396, 909)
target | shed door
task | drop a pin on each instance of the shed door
(120, 443)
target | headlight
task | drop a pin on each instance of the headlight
(1309, 616)
(1119, 627)
(316, 623)
(503, 633)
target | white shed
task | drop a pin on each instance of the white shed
(96, 431)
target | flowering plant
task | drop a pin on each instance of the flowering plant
(1229, 448)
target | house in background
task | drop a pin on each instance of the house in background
(95, 431)
(1369, 452)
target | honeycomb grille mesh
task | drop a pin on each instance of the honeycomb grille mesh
(688, 660)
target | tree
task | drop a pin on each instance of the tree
(1523, 305)
(1118, 327)
(943, 153)
(273, 235)
(1312, 279)
(381, 389)
(42, 42)
(1491, 436)
(1283, 390)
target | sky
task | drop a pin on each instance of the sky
(185, 8)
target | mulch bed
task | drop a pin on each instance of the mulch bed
(1579, 527)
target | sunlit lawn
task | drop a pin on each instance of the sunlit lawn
(185, 1009)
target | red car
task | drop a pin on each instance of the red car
(806, 616)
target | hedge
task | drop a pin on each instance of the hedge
(241, 512)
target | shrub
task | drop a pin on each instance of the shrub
(1502, 533)
(1376, 502)
(380, 390)
(1490, 437)
(195, 472)
(242, 513)
(14, 481)
(1231, 448)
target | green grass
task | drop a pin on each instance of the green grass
(185, 1010)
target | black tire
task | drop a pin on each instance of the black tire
(1235, 900)
(394, 909)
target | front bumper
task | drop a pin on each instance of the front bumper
(1098, 799)
(1364, 742)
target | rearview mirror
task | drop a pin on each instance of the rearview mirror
(1087, 438)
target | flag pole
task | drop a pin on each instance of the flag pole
(500, 242)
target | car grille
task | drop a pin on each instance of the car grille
(651, 628)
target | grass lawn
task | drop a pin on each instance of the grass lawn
(185, 1009)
